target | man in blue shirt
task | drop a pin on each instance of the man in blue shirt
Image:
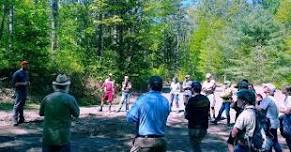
(150, 113)
(20, 82)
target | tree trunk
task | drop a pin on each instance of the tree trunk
(10, 25)
(54, 25)
(2, 19)
(100, 36)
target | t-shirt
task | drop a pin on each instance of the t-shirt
(246, 122)
(20, 76)
(126, 86)
(197, 112)
(175, 88)
(58, 108)
(287, 102)
(208, 87)
(108, 85)
(226, 95)
(268, 104)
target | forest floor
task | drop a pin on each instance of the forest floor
(107, 131)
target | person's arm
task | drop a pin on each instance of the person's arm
(187, 110)
(234, 132)
(133, 113)
(263, 106)
(285, 110)
(75, 110)
(113, 87)
(42, 107)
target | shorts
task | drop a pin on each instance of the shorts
(211, 98)
(108, 96)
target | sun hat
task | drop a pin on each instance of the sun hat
(208, 75)
(62, 80)
(269, 87)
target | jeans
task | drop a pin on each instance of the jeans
(241, 148)
(18, 106)
(176, 98)
(276, 144)
(196, 136)
(56, 148)
(288, 141)
(124, 100)
(225, 106)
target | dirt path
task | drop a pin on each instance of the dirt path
(95, 131)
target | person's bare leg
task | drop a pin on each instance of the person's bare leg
(110, 104)
(101, 106)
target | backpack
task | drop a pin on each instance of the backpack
(262, 127)
(285, 126)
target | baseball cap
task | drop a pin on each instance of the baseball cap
(24, 62)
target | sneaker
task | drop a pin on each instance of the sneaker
(15, 124)
(100, 109)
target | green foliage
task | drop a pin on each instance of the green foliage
(236, 39)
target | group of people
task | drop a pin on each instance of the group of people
(151, 110)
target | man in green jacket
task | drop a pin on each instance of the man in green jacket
(57, 109)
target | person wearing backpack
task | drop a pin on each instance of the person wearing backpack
(227, 99)
(245, 125)
(269, 107)
(285, 118)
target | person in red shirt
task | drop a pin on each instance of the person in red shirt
(108, 87)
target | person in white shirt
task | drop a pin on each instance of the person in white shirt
(269, 106)
(286, 114)
(175, 91)
(245, 125)
(208, 89)
(187, 89)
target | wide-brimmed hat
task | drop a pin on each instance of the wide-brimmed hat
(227, 83)
(269, 87)
(208, 75)
(62, 80)
(187, 76)
(110, 74)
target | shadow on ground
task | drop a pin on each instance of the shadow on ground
(95, 133)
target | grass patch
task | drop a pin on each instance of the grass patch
(6, 106)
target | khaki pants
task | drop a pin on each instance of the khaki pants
(149, 145)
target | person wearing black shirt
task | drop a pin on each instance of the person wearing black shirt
(197, 111)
